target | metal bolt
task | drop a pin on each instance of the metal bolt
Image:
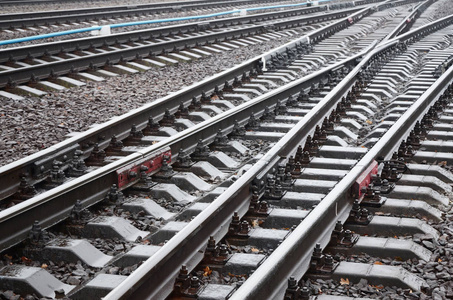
(328, 261)
(347, 236)
(317, 253)
(223, 250)
(292, 283)
(194, 282)
(211, 245)
(305, 293)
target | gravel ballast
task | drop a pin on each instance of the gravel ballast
(35, 123)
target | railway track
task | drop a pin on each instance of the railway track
(60, 58)
(37, 167)
(35, 19)
(379, 213)
(369, 100)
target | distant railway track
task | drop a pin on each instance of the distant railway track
(95, 52)
(262, 144)
(23, 20)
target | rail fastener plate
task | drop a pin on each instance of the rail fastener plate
(130, 174)
(364, 180)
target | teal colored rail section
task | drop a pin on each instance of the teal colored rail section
(87, 29)
(48, 35)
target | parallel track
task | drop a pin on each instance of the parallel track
(9, 21)
(32, 165)
(315, 228)
(259, 178)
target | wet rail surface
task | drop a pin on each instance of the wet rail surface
(260, 181)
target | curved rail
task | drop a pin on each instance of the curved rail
(178, 250)
(407, 23)
(337, 204)
(21, 216)
(120, 127)
(90, 189)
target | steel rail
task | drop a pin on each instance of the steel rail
(54, 205)
(422, 30)
(318, 225)
(185, 247)
(54, 48)
(91, 190)
(93, 185)
(80, 11)
(325, 30)
(100, 182)
(41, 71)
(65, 16)
(20, 2)
(321, 218)
(32, 165)
(408, 20)
(82, 63)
